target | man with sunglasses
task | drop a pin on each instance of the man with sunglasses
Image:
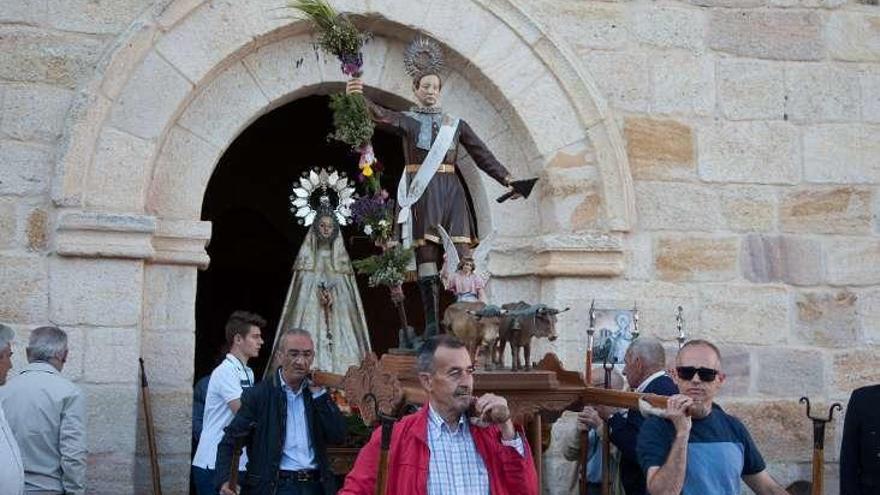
(286, 422)
(456, 444)
(699, 449)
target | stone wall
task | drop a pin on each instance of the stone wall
(749, 133)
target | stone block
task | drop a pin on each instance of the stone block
(740, 4)
(751, 89)
(745, 314)
(120, 172)
(750, 208)
(23, 293)
(669, 27)
(55, 58)
(100, 292)
(659, 149)
(870, 85)
(512, 71)
(639, 257)
(111, 355)
(169, 354)
(74, 368)
(771, 34)
(172, 418)
(827, 319)
(779, 428)
(621, 78)
(696, 258)
(225, 107)
(174, 469)
(444, 21)
(8, 224)
(869, 310)
(750, 152)
(112, 418)
(853, 36)
(90, 16)
(170, 294)
(660, 206)
(838, 210)
(213, 32)
(853, 261)
(287, 66)
(854, 368)
(112, 472)
(150, 99)
(182, 168)
(29, 12)
(737, 368)
(547, 112)
(583, 26)
(842, 154)
(788, 259)
(37, 230)
(34, 112)
(25, 168)
(789, 372)
(822, 93)
(808, 4)
(683, 83)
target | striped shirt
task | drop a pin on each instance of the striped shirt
(455, 467)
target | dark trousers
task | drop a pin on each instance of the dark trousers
(288, 486)
(203, 479)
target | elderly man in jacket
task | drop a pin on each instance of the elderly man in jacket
(286, 423)
(440, 450)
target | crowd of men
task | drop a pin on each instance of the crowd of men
(457, 443)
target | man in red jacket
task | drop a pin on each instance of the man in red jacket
(440, 449)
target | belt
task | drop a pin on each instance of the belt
(445, 168)
(304, 475)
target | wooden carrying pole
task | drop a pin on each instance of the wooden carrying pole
(151, 433)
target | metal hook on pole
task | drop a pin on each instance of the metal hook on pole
(819, 443)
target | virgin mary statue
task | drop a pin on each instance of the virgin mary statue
(323, 297)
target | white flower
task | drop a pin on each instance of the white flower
(368, 230)
(383, 223)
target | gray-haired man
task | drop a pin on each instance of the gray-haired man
(11, 468)
(47, 415)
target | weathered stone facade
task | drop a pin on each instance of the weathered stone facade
(721, 155)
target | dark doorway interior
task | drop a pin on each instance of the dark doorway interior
(255, 240)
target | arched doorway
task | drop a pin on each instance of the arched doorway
(255, 239)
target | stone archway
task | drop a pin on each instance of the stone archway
(187, 77)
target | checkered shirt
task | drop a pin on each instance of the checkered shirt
(455, 466)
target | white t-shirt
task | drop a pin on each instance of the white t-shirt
(226, 384)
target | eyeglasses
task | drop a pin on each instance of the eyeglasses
(294, 354)
(688, 372)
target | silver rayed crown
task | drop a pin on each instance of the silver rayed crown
(423, 56)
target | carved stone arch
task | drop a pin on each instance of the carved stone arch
(140, 109)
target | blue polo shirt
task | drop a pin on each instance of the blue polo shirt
(720, 451)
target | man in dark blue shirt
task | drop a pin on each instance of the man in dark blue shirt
(700, 449)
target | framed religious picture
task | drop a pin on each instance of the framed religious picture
(615, 330)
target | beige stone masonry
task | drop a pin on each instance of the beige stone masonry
(827, 319)
(660, 149)
(693, 258)
(839, 210)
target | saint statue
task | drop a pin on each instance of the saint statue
(323, 296)
(431, 192)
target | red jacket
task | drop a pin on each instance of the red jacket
(509, 473)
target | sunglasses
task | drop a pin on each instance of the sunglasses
(688, 372)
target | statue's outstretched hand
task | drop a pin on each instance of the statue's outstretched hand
(354, 86)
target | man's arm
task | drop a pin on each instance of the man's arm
(361, 480)
(241, 426)
(234, 405)
(72, 444)
(483, 158)
(764, 484)
(668, 479)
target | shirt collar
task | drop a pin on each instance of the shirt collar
(642, 386)
(439, 422)
(40, 366)
(286, 387)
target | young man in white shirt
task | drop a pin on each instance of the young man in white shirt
(225, 387)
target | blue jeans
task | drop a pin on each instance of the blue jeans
(293, 487)
(203, 479)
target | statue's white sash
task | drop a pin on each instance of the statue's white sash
(410, 192)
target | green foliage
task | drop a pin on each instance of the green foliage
(388, 268)
(351, 118)
(336, 34)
